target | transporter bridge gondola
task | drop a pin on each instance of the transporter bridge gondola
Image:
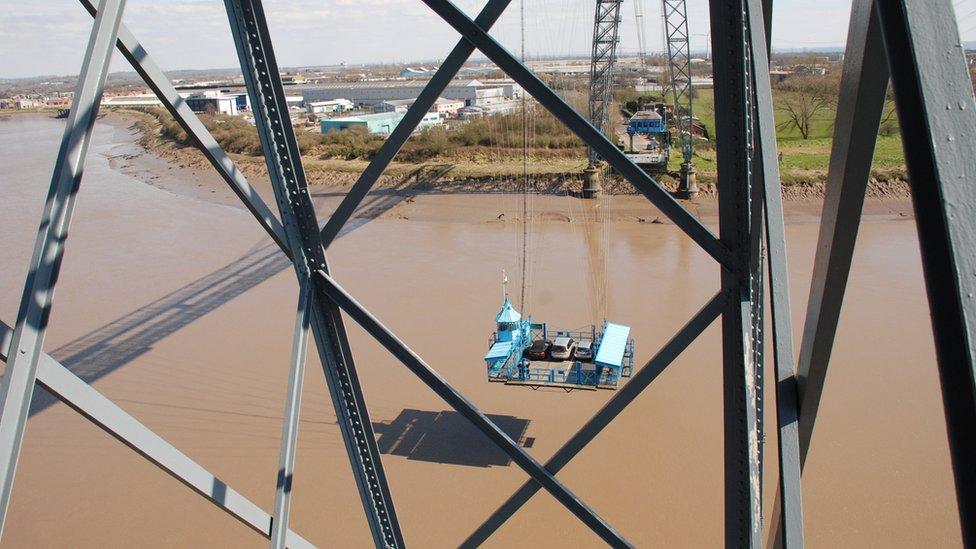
(611, 356)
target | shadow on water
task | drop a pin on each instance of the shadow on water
(447, 437)
(109, 347)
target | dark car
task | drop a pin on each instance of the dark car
(538, 350)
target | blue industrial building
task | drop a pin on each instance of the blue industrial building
(382, 123)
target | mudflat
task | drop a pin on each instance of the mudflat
(174, 304)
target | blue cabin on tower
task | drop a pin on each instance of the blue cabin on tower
(506, 345)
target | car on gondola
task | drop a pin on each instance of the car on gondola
(539, 350)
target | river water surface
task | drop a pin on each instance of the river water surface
(173, 303)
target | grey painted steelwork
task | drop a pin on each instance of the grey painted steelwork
(733, 121)
(582, 128)
(603, 59)
(938, 115)
(791, 501)
(283, 158)
(864, 83)
(106, 415)
(289, 434)
(36, 302)
(938, 121)
(408, 124)
(456, 400)
(627, 394)
(679, 64)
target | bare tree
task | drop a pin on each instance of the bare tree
(889, 121)
(804, 98)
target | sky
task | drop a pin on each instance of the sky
(48, 37)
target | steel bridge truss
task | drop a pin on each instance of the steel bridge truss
(936, 108)
(603, 60)
(679, 67)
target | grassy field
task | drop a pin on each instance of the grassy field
(803, 160)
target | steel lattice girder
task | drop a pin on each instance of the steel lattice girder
(287, 174)
(288, 178)
(679, 63)
(733, 108)
(900, 23)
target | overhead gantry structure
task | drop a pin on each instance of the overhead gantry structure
(917, 40)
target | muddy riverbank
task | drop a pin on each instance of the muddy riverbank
(174, 304)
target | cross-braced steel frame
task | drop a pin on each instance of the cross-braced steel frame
(603, 60)
(679, 71)
(938, 115)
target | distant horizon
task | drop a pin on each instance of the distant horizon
(194, 34)
(424, 62)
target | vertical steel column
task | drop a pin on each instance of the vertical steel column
(791, 502)
(864, 84)
(938, 120)
(35, 305)
(679, 64)
(743, 498)
(603, 60)
(287, 174)
(289, 434)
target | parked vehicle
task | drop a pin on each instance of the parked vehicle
(584, 350)
(562, 348)
(538, 350)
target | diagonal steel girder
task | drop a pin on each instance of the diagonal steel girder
(45, 264)
(937, 111)
(408, 124)
(740, 222)
(614, 407)
(289, 431)
(864, 85)
(146, 67)
(791, 501)
(108, 416)
(283, 158)
(465, 407)
(590, 135)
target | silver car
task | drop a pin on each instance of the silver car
(562, 348)
(584, 350)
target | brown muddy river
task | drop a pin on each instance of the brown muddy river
(174, 304)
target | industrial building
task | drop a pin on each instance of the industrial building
(140, 100)
(370, 94)
(443, 106)
(379, 123)
(213, 102)
(328, 107)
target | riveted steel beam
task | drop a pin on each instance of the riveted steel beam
(741, 328)
(791, 501)
(283, 158)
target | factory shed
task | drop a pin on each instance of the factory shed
(378, 123)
